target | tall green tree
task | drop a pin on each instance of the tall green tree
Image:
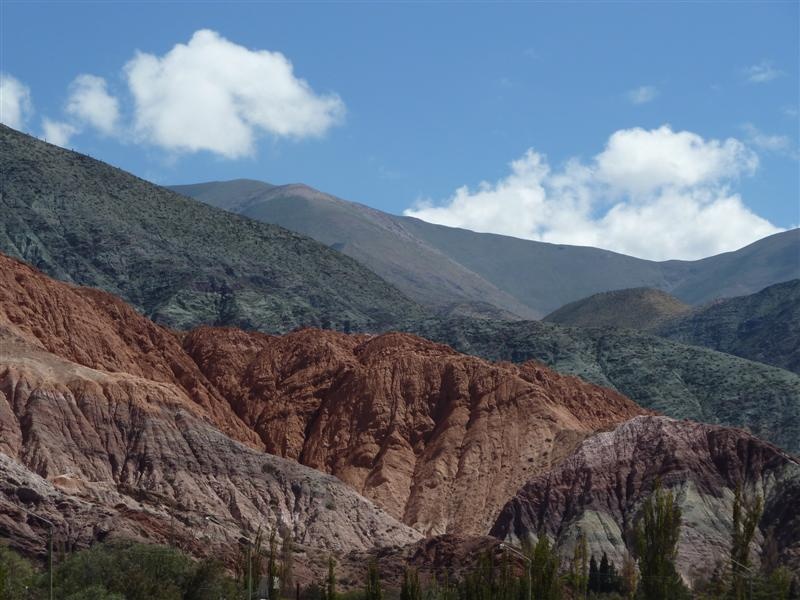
(373, 589)
(579, 567)
(746, 515)
(287, 564)
(545, 562)
(330, 588)
(410, 588)
(657, 533)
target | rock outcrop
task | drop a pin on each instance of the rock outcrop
(599, 490)
(405, 421)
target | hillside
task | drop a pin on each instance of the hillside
(179, 261)
(764, 326)
(681, 381)
(598, 490)
(439, 265)
(98, 400)
(637, 308)
(377, 240)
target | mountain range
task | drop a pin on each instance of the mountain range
(172, 371)
(437, 265)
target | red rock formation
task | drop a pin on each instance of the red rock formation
(439, 439)
(97, 330)
(599, 488)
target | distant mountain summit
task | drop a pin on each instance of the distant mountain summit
(179, 261)
(636, 308)
(438, 266)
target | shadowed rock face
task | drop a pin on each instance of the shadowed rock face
(600, 487)
(405, 421)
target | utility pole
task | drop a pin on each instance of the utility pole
(528, 560)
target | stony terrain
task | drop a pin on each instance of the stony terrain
(439, 265)
(681, 381)
(405, 421)
(126, 416)
(599, 489)
(181, 262)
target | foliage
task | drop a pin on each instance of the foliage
(373, 588)
(16, 575)
(657, 534)
(579, 568)
(330, 588)
(746, 515)
(410, 588)
(545, 562)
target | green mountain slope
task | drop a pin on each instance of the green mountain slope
(636, 308)
(439, 265)
(764, 326)
(179, 261)
(678, 380)
(376, 239)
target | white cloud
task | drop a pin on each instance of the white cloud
(655, 194)
(762, 72)
(212, 94)
(765, 141)
(89, 102)
(642, 94)
(15, 101)
(58, 132)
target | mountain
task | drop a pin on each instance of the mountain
(598, 490)
(376, 239)
(636, 308)
(681, 381)
(439, 265)
(764, 326)
(179, 261)
(117, 435)
(136, 430)
(403, 420)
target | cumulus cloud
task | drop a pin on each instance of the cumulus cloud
(58, 132)
(642, 94)
(89, 102)
(212, 94)
(761, 72)
(15, 101)
(656, 194)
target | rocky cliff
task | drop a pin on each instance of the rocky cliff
(405, 421)
(600, 487)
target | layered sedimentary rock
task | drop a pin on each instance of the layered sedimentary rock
(439, 439)
(599, 490)
(111, 454)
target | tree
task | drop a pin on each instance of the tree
(746, 515)
(410, 589)
(657, 533)
(579, 568)
(544, 571)
(330, 591)
(16, 574)
(373, 590)
(629, 576)
(594, 576)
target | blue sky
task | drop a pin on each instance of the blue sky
(408, 102)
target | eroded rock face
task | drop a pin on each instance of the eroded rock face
(600, 487)
(97, 330)
(439, 439)
(110, 454)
